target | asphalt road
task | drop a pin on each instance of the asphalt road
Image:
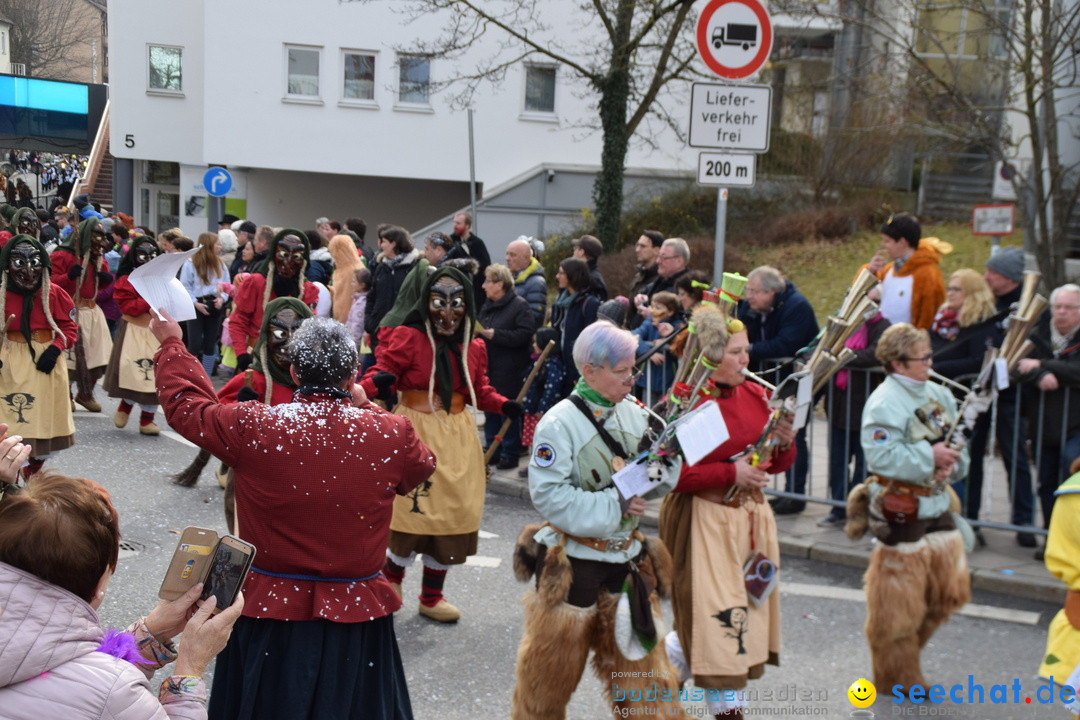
(466, 670)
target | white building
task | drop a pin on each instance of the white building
(314, 111)
(5, 45)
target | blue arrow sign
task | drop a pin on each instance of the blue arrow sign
(217, 181)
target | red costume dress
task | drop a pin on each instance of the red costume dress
(33, 404)
(315, 484)
(247, 314)
(130, 375)
(97, 342)
(710, 542)
(441, 518)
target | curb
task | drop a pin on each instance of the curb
(1048, 589)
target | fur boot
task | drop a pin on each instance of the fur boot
(551, 657)
(911, 588)
(637, 679)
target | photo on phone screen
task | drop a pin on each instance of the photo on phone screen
(228, 568)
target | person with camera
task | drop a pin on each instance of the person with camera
(918, 568)
(59, 543)
(315, 486)
(718, 526)
(202, 276)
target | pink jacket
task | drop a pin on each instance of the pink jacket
(50, 666)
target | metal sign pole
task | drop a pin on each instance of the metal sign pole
(721, 228)
(472, 176)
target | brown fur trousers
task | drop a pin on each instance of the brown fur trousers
(911, 588)
(558, 637)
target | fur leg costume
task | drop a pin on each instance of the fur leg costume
(558, 636)
(911, 588)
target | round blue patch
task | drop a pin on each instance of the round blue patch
(544, 455)
(880, 436)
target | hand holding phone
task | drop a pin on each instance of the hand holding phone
(221, 564)
(228, 568)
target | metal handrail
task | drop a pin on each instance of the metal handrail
(93, 163)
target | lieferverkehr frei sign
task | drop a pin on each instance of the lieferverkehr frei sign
(731, 116)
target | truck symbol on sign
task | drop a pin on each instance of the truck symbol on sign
(735, 34)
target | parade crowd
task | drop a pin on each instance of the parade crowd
(351, 368)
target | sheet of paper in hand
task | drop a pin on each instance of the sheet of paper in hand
(157, 284)
(634, 479)
(701, 431)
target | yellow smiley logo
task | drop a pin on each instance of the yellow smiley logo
(862, 693)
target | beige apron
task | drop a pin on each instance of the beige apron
(32, 403)
(730, 634)
(452, 500)
(97, 342)
(136, 369)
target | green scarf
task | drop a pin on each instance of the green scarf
(582, 388)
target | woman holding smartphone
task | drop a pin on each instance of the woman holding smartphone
(59, 543)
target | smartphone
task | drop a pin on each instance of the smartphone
(189, 562)
(228, 567)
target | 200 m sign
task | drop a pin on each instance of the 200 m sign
(726, 169)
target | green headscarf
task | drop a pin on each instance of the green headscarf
(418, 317)
(270, 369)
(17, 218)
(28, 297)
(78, 240)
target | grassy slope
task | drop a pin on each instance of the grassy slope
(823, 270)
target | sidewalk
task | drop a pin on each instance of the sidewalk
(1001, 566)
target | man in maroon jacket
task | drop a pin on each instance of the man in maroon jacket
(315, 485)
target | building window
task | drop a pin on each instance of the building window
(166, 68)
(302, 71)
(414, 79)
(540, 88)
(359, 76)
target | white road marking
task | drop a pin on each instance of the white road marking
(483, 561)
(986, 612)
(178, 438)
(87, 413)
(485, 535)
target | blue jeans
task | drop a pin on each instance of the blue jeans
(1053, 469)
(510, 447)
(844, 446)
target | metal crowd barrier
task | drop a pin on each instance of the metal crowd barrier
(820, 439)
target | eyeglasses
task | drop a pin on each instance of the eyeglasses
(629, 379)
(953, 288)
(1066, 307)
(662, 258)
(756, 291)
(925, 359)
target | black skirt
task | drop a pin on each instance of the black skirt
(319, 670)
